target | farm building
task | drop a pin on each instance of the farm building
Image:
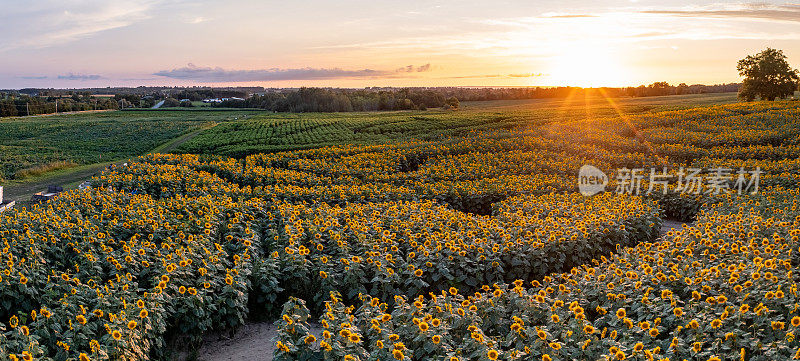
(5, 205)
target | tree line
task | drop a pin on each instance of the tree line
(16, 104)
(373, 99)
(345, 100)
(319, 99)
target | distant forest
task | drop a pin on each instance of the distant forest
(345, 100)
(16, 104)
(43, 101)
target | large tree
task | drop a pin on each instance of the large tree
(767, 75)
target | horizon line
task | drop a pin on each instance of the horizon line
(368, 87)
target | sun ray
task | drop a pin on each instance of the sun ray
(626, 119)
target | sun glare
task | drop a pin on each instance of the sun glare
(587, 67)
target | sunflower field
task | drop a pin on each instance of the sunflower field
(475, 245)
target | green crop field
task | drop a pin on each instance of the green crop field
(280, 132)
(460, 235)
(34, 145)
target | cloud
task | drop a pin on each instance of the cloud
(412, 69)
(757, 11)
(47, 23)
(34, 77)
(566, 16)
(196, 20)
(81, 77)
(208, 74)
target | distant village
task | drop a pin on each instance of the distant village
(215, 100)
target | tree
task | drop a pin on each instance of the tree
(659, 88)
(767, 75)
(452, 102)
(171, 103)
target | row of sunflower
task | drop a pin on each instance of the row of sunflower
(392, 248)
(115, 275)
(724, 289)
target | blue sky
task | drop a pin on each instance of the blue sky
(385, 43)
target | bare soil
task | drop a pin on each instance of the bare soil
(254, 341)
(673, 225)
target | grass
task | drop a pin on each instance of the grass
(41, 151)
(34, 146)
(70, 178)
(599, 104)
(42, 169)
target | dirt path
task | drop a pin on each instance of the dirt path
(670, 225)
(69, 179)
(72, 177)
(254, 341)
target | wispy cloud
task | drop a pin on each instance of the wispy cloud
(48, 23)
(546, 34)
(81, 77)
(34, 77)
(566, 15)
(208, 74)
(196, 20)
(756, 11)
(413, 69)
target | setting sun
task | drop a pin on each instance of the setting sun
(587, 66)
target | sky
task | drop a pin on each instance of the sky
(347, 43)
